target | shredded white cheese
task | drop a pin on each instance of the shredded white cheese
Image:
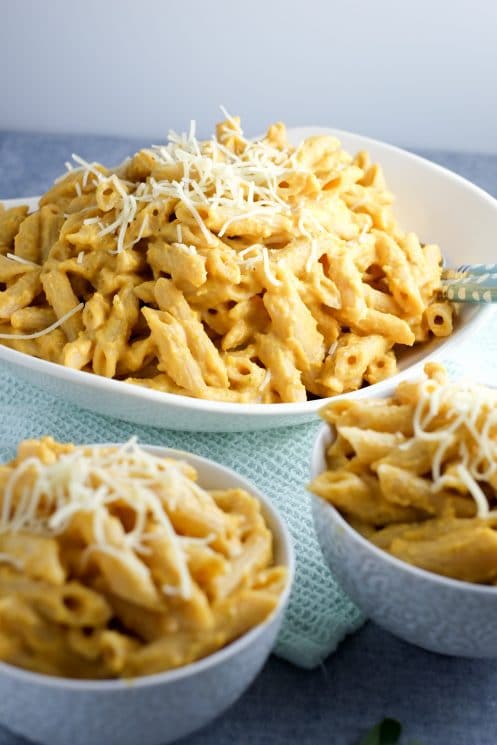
(143, 228)
(56, 324)
(265, 381)
(229, 117)
(20, 260)
(264, 213)
(313, 255)
(86, 168)
(267, 268)
(89, 480)
(332, 349)
(211, 177)
(451, 416)
(12, 560)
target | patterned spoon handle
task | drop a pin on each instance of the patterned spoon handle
(477, 269)
(471, 288)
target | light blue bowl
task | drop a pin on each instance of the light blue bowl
(434, 612)
(155, 709)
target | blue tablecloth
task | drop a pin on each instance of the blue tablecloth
(440, 700)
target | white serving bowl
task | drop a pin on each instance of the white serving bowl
(438, 205)
(437, 613)
(154, 709)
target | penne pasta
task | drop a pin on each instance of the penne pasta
(169, 270)
(416, 473)
(115, 562)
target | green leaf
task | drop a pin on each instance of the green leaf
(386, 732)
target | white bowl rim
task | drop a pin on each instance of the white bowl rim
(221, 655)
(80, 377)
(379, 553)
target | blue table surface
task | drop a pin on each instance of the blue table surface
(439, 700)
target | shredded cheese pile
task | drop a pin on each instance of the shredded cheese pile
(461, 419)
(211, 175)
(89, 480)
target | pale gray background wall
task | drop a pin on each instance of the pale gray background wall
(420, 73)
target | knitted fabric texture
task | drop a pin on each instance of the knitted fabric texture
(319, 613)
(277, 461)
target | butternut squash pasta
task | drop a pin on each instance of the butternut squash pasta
(229, 269)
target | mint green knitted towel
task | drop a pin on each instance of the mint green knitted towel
(277, 461)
